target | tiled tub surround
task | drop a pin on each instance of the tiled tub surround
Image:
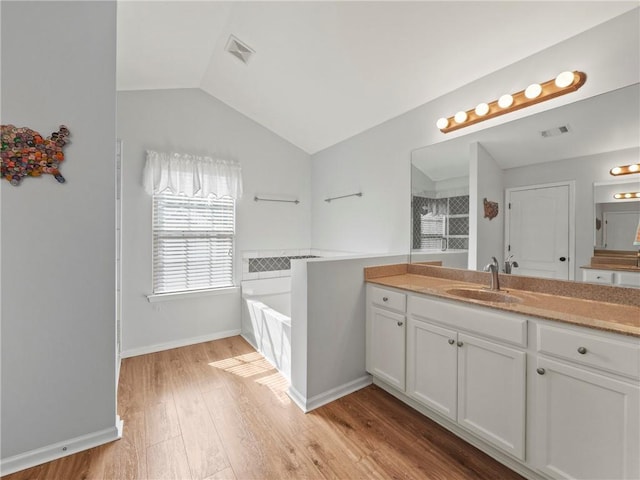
(269, 264)
(273, 263)
(260, 264)
(603, 307)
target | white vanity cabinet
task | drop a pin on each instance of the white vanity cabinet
(549, 399)
(477, 382)
(385, 341)
(432, 367)
(587, 405)
(619, 278)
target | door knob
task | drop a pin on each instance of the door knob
(540, 371)
(562, 259)
(460, 344)
(400, 324)
(451, 341)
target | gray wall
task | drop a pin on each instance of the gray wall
(487, 181)
(58, 250)
(328, 327)
(377, 160)
(191, 121)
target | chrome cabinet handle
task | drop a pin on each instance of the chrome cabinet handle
(385, 299)
(451, 341)
(582, 350)
(540, 371)
(400, 324)
(460, 344)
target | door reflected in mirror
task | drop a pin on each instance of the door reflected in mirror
(616, 220)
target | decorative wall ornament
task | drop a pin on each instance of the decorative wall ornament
(490, 209)
(26, 153)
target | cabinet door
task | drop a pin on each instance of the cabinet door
(491, 392)
(627, 279)
(587, 424)
(386, 348)
(432, 364)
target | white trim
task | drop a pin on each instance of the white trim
(572, 218)
(306, 405)
(159, 347)
(297, 398)
(163, 297)
(61, 449)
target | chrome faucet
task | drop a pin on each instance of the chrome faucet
(508, 264)
(494, 268)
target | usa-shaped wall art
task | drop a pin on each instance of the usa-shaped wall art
(27, 153)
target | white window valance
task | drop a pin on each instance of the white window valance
(191, 175)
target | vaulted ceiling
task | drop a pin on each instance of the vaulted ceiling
(325, 71)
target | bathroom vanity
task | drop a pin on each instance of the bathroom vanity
(544, 379)
(611, 267)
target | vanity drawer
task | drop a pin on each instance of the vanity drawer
(597, 276)
(591, 350)
(389, 299)
(628, 279)
(487, 322)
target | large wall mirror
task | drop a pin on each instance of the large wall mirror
(549, 176)
(616, 219)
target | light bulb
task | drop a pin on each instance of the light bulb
(615, 171)
(442, 123)
(634, 168)
(627, 195)
(482, 109)
(460, 117)
(637, 194)
(565, 79)
(505, 101)
(617, 195)
(534, 90)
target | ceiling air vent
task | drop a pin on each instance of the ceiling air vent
(554, 132)
(239, 49)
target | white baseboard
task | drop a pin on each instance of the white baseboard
(159, 347)
(249, 341)
(297, 398)
(308, 404)
(60, 449)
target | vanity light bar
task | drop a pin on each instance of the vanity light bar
(564, 83)
(626, 195)
(625, 169)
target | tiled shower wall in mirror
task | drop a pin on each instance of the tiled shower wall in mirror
(440, 223)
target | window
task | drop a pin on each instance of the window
(193, 242)
(440, 223)
(432, 230)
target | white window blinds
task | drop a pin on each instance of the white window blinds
(192, 243)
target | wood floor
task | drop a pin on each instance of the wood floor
(218, 410)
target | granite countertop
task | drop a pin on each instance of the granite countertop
(612, 266)
(602, 315)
